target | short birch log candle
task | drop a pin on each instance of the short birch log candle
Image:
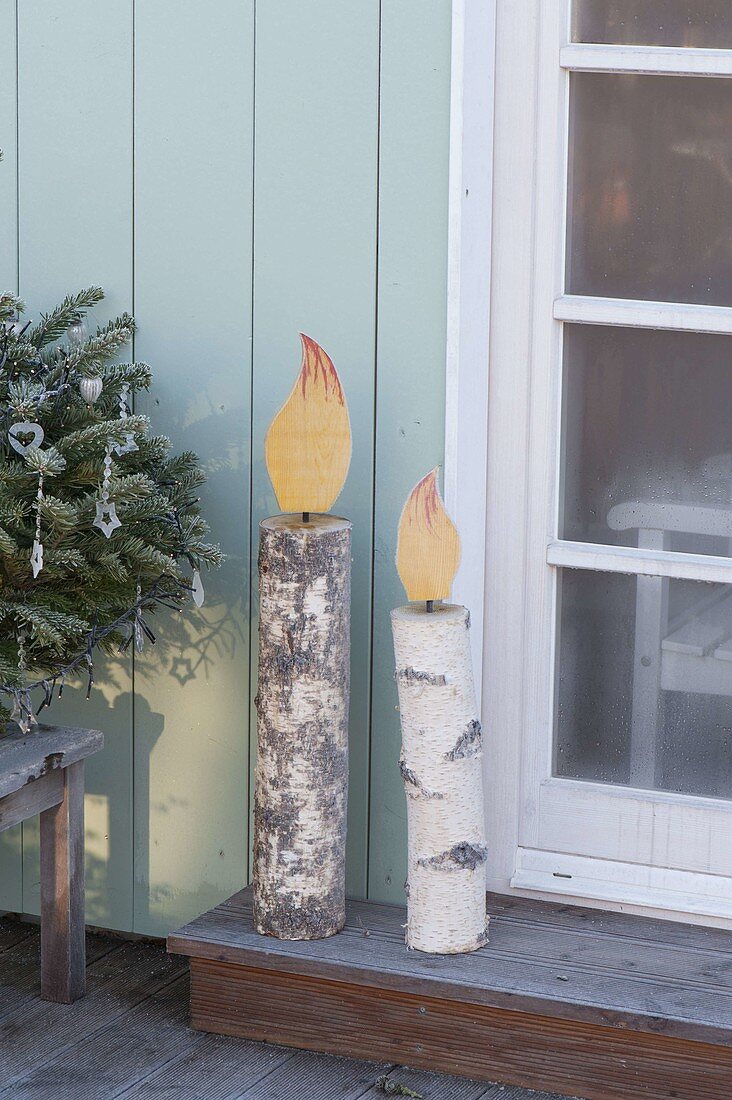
(301, 777)
(441, 759)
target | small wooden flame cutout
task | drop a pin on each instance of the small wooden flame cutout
(308, 445)
(428, 548)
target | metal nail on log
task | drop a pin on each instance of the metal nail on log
(301, 778)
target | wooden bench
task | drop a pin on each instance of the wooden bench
(42, 772)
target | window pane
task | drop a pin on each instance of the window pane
(647, 439)
(650, 188)
(644, 683)
(705, 23)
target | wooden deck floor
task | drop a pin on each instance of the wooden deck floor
(129, 1038)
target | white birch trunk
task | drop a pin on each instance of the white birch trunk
(442, 772)
(302, 730)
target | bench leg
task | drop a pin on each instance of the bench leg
(63, 954)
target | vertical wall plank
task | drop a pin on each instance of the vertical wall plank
(315, 237)
(413, 177)
(9, 147)
(193, 261)
(11, 860)
(315, 226)
(75, 121)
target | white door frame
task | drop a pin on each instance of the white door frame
(468, 297)
(475, 474)
(506, 472)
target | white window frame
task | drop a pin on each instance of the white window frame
(515, 49)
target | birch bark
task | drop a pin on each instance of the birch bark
(302, 729)
(441, 768)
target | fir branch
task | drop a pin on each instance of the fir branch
(46, 627)
(91, 356)
(138, 376)
(45, 460)
(58, 514)
(8, 544)
(64, 559)
(86, 579)
(10, 307)
(94, 436)
(53, 325)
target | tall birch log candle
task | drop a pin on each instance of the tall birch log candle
(301, 774)
(441, 758)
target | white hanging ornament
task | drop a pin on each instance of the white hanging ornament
(129, 444)
(127, 447)
(36, 558)
(77, 333)
(22, 707)
(25, 427)
(90, 389)
(197, 589)
(137, 631)
(106, 518)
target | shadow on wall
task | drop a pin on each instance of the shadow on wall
(191, 689)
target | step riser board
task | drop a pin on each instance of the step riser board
(540, 1052)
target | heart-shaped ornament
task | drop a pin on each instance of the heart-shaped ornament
(25, 428)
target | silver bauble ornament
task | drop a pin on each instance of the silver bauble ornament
(90, 389)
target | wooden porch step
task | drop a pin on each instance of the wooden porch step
(577, 1001)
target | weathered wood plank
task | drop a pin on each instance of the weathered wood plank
(601, 1063)
(308, 1076)
(515, 1092)
(20, 972)
(439, 1086)
(118, 1056)
(31, 799)
(25, 757)
(115, 1056)
(13, 932)
(212, 1067)
(117, 982)
(593, 922)
(562, 973)
(63, 961)
(656, 941)
(148, 1052)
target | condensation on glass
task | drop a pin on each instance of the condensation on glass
(644, 683)
(686, 23)
(647, 439)
(650, 188)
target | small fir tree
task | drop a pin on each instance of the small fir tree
(72, 464)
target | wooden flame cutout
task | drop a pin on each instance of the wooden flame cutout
(428, 549)
(308, 445)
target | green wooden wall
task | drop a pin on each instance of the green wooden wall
(233, 174)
